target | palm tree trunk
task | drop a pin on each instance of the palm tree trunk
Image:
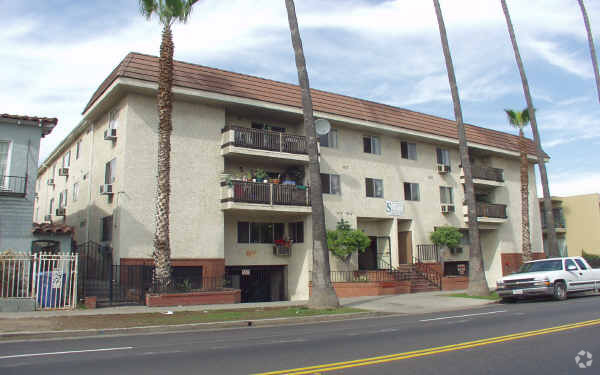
(323, 295)
(552, 243)
(526, 242)
(586, 20)
(477, 280)
(162, 249)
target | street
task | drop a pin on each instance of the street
(530, 337)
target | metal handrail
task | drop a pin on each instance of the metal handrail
(426, 270)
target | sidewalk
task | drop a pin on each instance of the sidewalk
(415, 303)
(43, 324)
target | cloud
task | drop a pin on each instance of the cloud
(552, 53)
(566, 184)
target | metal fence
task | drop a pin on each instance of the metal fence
(366, 276)
(50, 279)
(13, 185)
(428, 253)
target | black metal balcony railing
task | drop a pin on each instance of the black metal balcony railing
(13, 185)
(487, 173)
(255, 192)
(559, 219)
(268, 140)
(491, 210)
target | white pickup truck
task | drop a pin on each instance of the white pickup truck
(551, 277)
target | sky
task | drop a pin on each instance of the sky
(55, 53)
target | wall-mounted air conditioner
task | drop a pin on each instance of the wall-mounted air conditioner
(106, 189)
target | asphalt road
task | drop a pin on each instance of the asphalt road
(502, 338)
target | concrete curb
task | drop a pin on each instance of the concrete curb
(26, 335)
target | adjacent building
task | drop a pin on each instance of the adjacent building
(240, 192)
(577, 224)
(19, 148)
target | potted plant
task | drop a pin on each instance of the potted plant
(261, 175)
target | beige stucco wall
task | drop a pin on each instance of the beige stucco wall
(582, 217)
(196, 165)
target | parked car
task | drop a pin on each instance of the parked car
(554, 277)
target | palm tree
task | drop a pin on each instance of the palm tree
(477, 280)
(586, 20)
(552, 243)
(323, 295)
(168, 12)
(520, 120)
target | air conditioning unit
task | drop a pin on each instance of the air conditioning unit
(106, 189)
(48, 218)
(282, 251)
(63, 172)
(61, 212)
(443, 168)
(447, 208)
(50, 182)
(110, 134)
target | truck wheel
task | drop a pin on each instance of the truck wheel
(560, 291)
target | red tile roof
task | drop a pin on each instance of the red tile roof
(44, 228)
(145, 68)
(47, 123)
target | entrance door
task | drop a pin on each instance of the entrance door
(404, 247)
(368, 259)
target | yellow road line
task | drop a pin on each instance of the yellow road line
(431, 351)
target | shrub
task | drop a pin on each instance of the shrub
(446, 236)
(344, 241)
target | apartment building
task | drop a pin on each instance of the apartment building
(391, 172)
(19, 149)
(576, 223)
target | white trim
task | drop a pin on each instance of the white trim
(8, 156)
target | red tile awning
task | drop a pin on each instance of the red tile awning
(47, 228)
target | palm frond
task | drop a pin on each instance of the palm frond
(147, 7)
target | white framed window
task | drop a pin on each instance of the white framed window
(110, 172)
(66, 161)
(374, 187)
(5, 157)
(330, 184)
(411, 191)
(51, 206)
(408, 150)
(443, 156)
(113, 119)
(330, 139)
(75, 191)
(77, 149)
(446, 195)
(62, 199)
(371, 144)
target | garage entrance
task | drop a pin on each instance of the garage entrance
(258, 283)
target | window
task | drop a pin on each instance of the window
(113, 119)
(66, 161)
(296, 232)
(51, 206)
(446, 195)
(371, 145)
(259, 232)
(62, 199)
(411, 191)
(569, 263)
(465, 239)
(330, 183)
(408, 150)
(258, 125)
(77, 149)
(110, 171)
(4, 157)
(75, 191)
(581, 264)
(53, 170)
(330, 139)
(107, 224)
(443, 156)
(374, 187)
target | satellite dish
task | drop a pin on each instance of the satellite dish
(322, 126)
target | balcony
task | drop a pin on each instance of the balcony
(559, 221)
(486, 176)
(255, 196)
(247, 142)
(13, 186)
(489, 213)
